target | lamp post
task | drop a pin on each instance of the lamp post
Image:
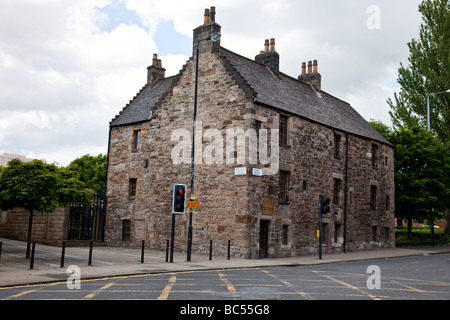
(428, 106)
(213, 37)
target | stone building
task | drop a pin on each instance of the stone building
(266, 146)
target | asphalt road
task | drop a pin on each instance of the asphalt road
(410, 278)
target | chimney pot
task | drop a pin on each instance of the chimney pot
(303, 67)
(207, 17)
(266, 45)
(315, 66)
(212, 14)
(272, 44)
(309, 66)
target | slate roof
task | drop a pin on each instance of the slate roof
(281, 92)
(139, 109)
(291, 95)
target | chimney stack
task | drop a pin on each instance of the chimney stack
(313, 77)
(269, 56)
(208, 28)
(155, 71)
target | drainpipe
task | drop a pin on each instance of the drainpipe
(346, 191)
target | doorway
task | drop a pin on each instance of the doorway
(263, 238)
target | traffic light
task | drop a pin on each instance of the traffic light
(324, 205)
(179, 199)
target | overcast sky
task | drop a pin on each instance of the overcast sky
(67, 67)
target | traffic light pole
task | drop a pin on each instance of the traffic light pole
(172, 238)
(189, 244)
(320, 227)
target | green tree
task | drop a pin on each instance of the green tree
(422, 164)
(91, 170)
(428, 72)
(38, 186)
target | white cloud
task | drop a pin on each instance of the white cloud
(64, 75)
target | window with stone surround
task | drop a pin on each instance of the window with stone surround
(337, 146)
(283, 130)
(373, 197)
(374, 155)
(132, 188)
(284, 186)
(126, 230)
(284, 234)
(374, 234)
(337, 184)
(136, 140)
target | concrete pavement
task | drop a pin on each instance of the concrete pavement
(113, 261)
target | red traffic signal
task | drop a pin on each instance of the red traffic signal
(179, 199)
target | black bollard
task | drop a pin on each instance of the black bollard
(32, 255)
(90, 253)
(210, 249)
(142, 251)
(167, 251)
(229, 246)
(63, 252)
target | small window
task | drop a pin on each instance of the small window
(284, 186)
(374, 155)
(285, 234)
(283, 130)
(136, 139)
(373, 197)
(336, 190)
(388, 200)
(305, 185)
(374, 234)
(258, 127)
(337, 146)
(126, 230)
(132, 188)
